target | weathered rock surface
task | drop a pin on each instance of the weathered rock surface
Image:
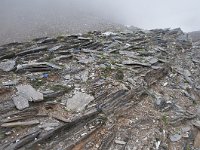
(7, 65)
(128, 89)
(79, 101)
(20, 102)
(28, 92)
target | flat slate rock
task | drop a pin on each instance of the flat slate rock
(20, 102)
(175, 137)
(131, 62)
(39, 66)
(28, 92)
(33, 50)
(79, 101)
(26, 123)
(7, 65)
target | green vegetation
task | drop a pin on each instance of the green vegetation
(65, 89)
(165, 119)
(36, 83)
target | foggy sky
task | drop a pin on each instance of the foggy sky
(150, 14)
(21, 17)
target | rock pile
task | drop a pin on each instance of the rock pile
(130, 89)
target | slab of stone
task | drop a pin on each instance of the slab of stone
(67, 77)
(10, 83)
(84, 75)
(7, 65)
(32, 50)
(129, 54)
(79, 101)
(86, 60)
(20, 102)
(26, 123)
(28, 92)
(48, 126)
(120, 142)
(55, 48)
(175, 137)
(131, 62)
(38, 67)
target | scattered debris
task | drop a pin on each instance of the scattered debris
(128, 89)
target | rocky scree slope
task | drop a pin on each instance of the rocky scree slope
(131, 89)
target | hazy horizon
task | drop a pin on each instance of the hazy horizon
(22, 18)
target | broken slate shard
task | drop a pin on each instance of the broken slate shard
(20, 102)
(30, 93)
(120, 142)
(26, 123)
(130, 62)
(143, 86)
(175, 137)
(26, 93)
(33, 50)
(37, 67)
(79, 101)
(55, 48)
(8, 65)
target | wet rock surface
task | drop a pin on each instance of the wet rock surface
(128, 89)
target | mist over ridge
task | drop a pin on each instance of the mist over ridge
(27, 18)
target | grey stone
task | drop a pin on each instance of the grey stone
(86, 60)
(187, 73)
(196, 124)
(25, 123)
(84, 76)
(28, 92)
(10, 83)
(33, 50)
(129, 54)
(55, 48)
(48, 126)
(40, 66)
(67, 77)
(186, 129)
(20, 102)
(160, 103)
(84, 38)
(120, 142)
(102, 66)
(153, 60)
(7, 65)
(131, 62)
(79, 101)
(175, 137)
